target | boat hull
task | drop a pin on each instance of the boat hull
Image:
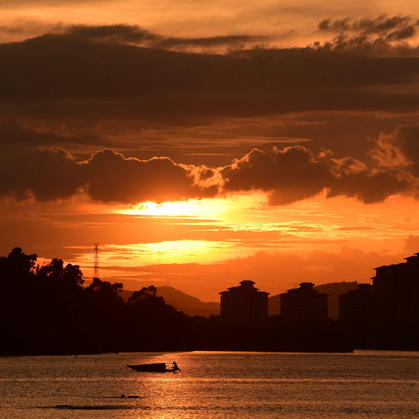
(161, 367)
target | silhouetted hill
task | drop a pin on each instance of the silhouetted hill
(274, 305)
(191, 306)
(333, 289)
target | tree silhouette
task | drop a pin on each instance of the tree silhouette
(48, 309)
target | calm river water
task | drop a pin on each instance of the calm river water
(212, 384)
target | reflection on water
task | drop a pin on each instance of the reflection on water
(212, 384)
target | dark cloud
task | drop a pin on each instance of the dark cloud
(377, 34)
(336, 25)
(228, 40)
(369, 187)
(59, 76)
(394, 168)
(380, 24)
(107, 176)
(13, 132)
(48, 175)
(79, 139)
(408, 140)
(402, 34)
(294, 174)
(91, 74)
(399, 150)
(117, 33)
(112, 177)
(25, 26)
(136, 35)
(287, 175)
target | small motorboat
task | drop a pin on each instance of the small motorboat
(160, 367)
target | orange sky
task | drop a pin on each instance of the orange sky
(203, 144)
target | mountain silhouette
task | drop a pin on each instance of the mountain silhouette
(190, 305)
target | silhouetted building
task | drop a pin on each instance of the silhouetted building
(304, 305)
(356, 305)
(244, 304)
(396, 292)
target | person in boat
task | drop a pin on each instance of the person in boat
(175, 367)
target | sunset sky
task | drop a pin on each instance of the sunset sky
(203, 143)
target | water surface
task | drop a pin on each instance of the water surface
(212, 384)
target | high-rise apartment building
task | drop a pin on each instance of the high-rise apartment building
(396, 292)
(244, 304)
(304, 305)
(355, 307)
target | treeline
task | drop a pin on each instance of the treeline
(48, 309)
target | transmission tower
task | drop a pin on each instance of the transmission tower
(96, 264)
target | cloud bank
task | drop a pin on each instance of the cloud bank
(285, 175)
(107, 176)
(123, 71)
(373, 33)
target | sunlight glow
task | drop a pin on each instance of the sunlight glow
(179, 208)
(205, 208)
(176, 251)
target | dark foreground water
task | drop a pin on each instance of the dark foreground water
(212, 384)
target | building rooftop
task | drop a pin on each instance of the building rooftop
(411, 262)
(245, 286)
(305, 288)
